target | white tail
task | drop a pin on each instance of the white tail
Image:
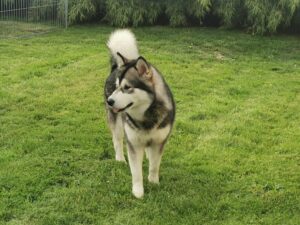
(124, 42)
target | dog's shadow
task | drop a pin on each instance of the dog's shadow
(187, 187)
(192, 186)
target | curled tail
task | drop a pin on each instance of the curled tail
(122, 42)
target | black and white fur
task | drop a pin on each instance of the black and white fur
(140, 105)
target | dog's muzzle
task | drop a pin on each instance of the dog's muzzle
(111, 103)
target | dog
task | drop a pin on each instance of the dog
(140, 105)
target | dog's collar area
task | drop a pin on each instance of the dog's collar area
(131, 122)
(139, 125)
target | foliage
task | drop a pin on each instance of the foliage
(82, 10)
(258, 16)
(132, 12)
(267, 15)
(231, 12)
(180, 11)
(295, 23)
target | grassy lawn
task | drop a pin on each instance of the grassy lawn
(11, 29)
(233, 157)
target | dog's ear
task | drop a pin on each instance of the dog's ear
(143, 68)
(122, 60)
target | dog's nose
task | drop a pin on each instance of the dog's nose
(110, 102)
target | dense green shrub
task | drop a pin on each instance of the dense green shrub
(82, 10)
(180, 12)
(266, 16)
(132, 12)
(258, 16)
(231, 12)
(295, 23)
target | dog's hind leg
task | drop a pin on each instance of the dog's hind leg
(116, 127)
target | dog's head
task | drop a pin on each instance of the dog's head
(134, 86)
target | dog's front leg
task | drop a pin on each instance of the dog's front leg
(154, 155)
(118, 135)
(135, 157)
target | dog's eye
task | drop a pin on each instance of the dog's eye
(126, 87)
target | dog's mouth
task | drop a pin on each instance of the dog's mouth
(116, 110)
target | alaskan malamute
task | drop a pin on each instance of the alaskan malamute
(139, 102)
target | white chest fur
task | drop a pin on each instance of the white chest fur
(141, 138)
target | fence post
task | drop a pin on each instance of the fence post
(66, 13)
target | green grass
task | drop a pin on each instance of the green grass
(233, 156)
(12, 29)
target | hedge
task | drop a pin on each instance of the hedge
(256, 16)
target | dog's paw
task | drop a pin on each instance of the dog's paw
(153, 179)
(138, 191)
(120, 158)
